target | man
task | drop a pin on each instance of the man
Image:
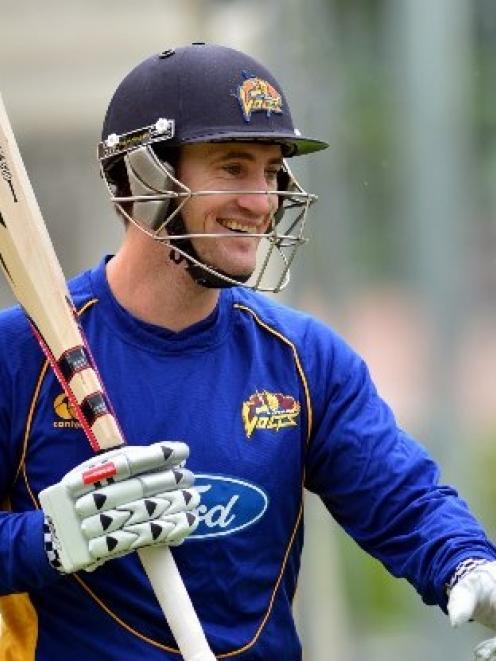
(265, 400)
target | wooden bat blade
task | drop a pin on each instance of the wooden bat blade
(33, 272)
(29, 262)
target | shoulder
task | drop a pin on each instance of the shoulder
(13, 319)
(325, 357)
(81, 287)
(20, 355)
(308, 334)
(16, 336)
(269, 311)
(14, 328)
(328, 362)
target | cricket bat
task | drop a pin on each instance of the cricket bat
(28, 259)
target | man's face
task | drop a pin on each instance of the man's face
(230, 168)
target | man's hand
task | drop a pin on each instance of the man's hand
(113, 504)
(473, 597)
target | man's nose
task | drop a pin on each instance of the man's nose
(260, 203)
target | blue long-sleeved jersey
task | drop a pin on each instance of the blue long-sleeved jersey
(270, 402)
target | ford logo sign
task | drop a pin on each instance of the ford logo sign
(227, 505)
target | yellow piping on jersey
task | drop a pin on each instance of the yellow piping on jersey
(304, 381)
(18, 618)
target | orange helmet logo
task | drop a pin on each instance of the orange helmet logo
(257, 95)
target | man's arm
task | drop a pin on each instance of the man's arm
(382, 486)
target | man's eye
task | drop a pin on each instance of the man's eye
(232, 168)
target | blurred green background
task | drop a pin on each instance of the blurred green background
(403, 257)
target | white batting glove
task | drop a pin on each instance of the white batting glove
(486, 651)
(473, 597)
(115, 503)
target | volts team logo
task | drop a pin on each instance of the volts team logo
(65, 413)
(266, 410)
(257, 95)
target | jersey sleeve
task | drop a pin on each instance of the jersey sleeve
(381, 485)
(22, 557)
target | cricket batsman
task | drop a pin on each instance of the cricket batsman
(232, 403)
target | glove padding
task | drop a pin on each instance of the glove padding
(113, 504)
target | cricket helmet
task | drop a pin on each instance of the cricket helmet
(196, 94)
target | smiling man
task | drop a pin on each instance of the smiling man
(266, 401)
(221, 233)
(232, 168)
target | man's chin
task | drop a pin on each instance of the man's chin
(238, 277)
(242, 278)
(235, 270)
(225, 276)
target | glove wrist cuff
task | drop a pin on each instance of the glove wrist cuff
(51, 545)
(464, 568)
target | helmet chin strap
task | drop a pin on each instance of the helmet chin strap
(199, 275)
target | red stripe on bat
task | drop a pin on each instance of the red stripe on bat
(94, 366)
(95, 445)
(100, 472)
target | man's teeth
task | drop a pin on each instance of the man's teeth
(236, 226)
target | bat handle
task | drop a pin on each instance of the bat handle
(172, 596)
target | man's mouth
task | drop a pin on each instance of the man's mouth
(237, 226)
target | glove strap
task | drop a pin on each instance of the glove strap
(464, 568)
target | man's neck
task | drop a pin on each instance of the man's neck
(154, 289)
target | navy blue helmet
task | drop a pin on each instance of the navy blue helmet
(211, 93)
(201, 94)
